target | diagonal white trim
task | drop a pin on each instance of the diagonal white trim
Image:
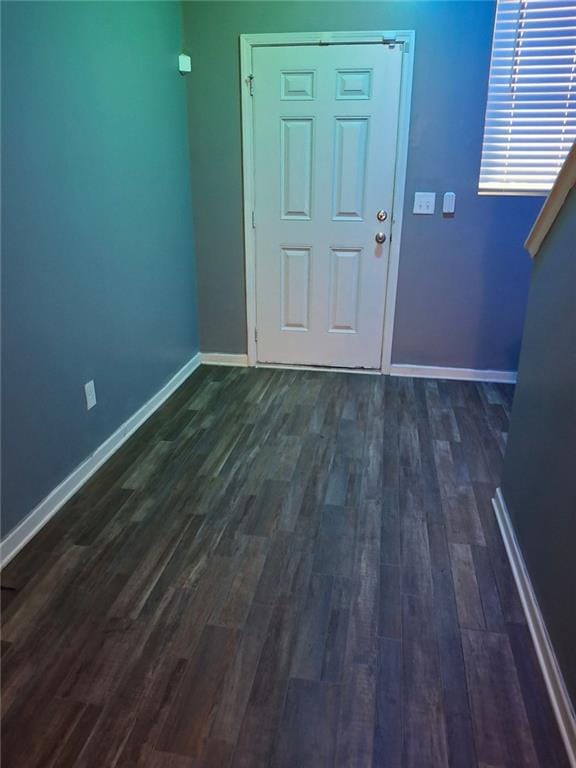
(439, 372)
(325, 369)
(418, 371)
(402, 144)
(47, 508)
(544, 650)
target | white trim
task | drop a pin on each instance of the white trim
(217, 358)
(466, 374)
(316, 38)
(402, 144)
(544, 650)
(247, 42)
(418, 371)
(292, 367)
(48, 507)
(248, 194)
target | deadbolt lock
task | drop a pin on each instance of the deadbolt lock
(381, 215)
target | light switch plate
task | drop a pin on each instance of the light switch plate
(424, 202)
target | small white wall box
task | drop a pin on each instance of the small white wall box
(184, 63)
(424, 202)
(449, 204)
(90, 392)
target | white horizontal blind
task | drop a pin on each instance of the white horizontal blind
(531, 111)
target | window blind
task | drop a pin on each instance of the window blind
(531, 111)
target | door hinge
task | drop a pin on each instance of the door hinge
(251, 84)
(256, 335)
(253, 220)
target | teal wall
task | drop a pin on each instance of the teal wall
(463, 281)
(539, 483)
(98, 262)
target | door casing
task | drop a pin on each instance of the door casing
(247, 43)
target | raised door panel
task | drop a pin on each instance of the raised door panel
(297, 162)
(297, 85)
(350, 155)
(344, 289)
(353, 84)
(295, 289)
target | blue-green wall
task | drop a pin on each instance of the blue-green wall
(98, 262)
(539, 482)
(463, 282)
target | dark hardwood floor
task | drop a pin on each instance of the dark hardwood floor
(287, 569)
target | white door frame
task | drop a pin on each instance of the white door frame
(247, 43)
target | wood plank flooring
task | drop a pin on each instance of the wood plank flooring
(281, 568)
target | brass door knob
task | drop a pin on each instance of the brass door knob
(380, 237)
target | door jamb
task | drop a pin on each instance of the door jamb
(247, 43)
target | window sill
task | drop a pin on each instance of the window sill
(512, 193)
(564, 183)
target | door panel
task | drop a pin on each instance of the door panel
(325, 128)
(297, 85)
(353, 83)
(295, 288)
(344, 290)
(296, 170)
(350, 155)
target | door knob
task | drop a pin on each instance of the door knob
(380, 237)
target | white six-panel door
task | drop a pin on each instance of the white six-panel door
(325, 130)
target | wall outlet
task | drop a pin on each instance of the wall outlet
(90, 392)
(424, 202)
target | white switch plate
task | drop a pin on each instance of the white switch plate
(449, 204)
(90, 392)
(424, 202)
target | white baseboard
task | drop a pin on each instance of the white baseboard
(40, 515)
(465, 374)
(294, 367)
(397, 369)
(217, 358)
(547, 658)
